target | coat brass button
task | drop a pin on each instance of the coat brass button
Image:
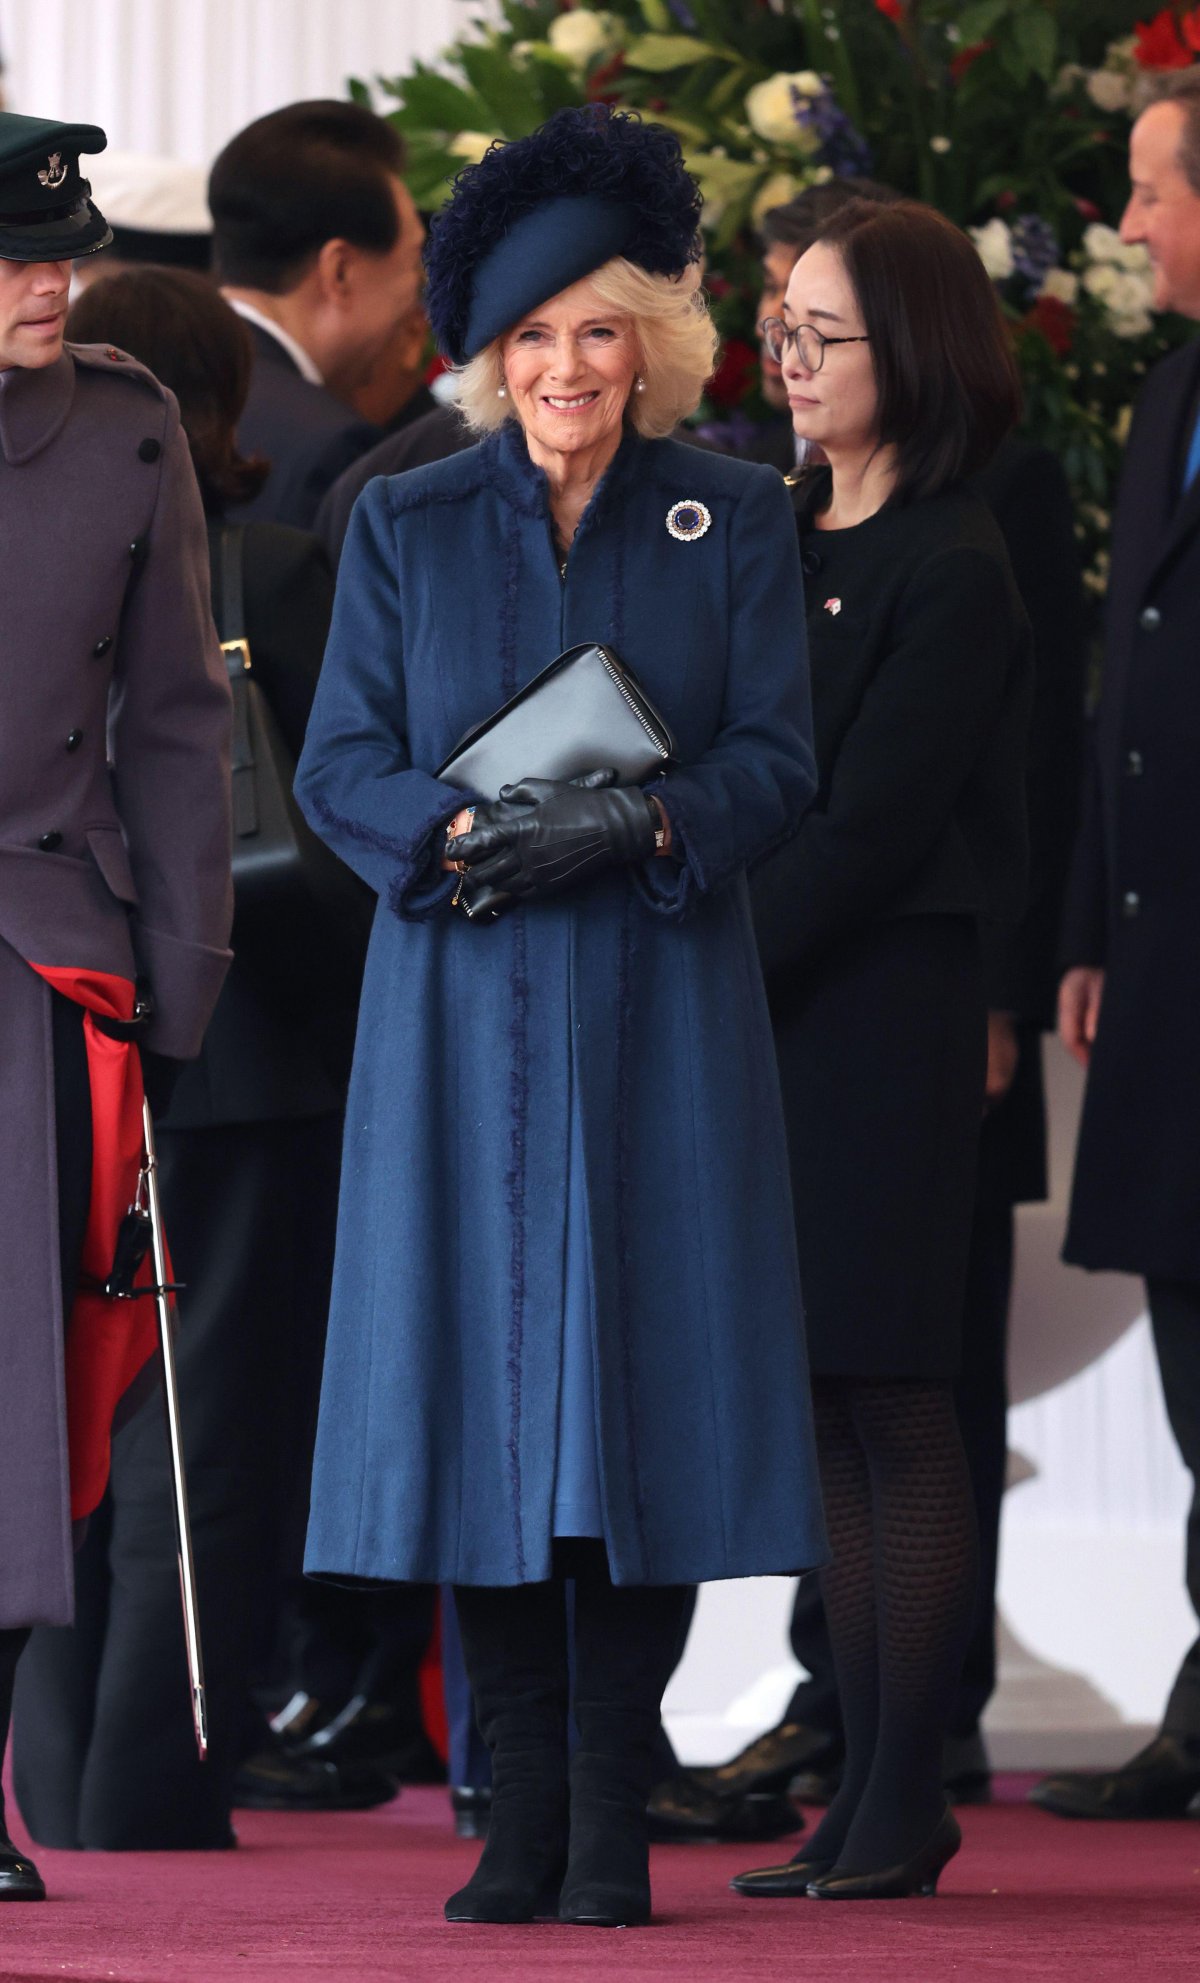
(102, 646)
(74, 740)
(1149, 619)
(50, 841)
(1131, 903)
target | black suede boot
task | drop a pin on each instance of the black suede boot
(515, 1650)
(627, 1642)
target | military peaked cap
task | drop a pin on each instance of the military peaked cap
(45, 212)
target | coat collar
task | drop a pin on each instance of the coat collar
(34, 404)
(522, 483)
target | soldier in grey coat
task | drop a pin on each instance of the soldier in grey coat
(114, 835)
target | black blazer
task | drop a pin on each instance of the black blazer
(922, 678)
(431, 438)
(254, 1066)
(1134, 899)
(306, 434)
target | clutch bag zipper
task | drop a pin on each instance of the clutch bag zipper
(622, 688)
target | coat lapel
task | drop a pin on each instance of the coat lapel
(34, 403)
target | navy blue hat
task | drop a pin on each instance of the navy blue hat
(45, 212)
(538, 214)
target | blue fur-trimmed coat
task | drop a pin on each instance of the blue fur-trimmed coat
(640, 997)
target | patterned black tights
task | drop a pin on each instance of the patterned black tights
(898, 1597)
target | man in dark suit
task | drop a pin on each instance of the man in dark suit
(1128, 1003)
(317, 244)
(1027, 492)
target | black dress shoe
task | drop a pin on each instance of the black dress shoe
(682, 1808)
(1159, 1782)
(918, 1875)
(788, 1882)
(380, 1735)
(274, 1781)
(472, 1811)
(19, 1877)
(966, 1770)
(772, 1760)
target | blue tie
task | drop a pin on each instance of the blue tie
(1192, 469)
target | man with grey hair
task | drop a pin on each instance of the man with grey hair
(1128, 1002)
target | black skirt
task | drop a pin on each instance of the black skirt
(882, 1058)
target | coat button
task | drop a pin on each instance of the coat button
(50, 841)
(74, 740)
(1134, 764)
(149, 449)
(811, 563)
(137, 550)
(1149, 619)
(102, 646)
(1131, 903)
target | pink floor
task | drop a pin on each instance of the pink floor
(358, 1898)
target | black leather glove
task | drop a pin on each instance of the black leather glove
(159, 1075)
(573, 831)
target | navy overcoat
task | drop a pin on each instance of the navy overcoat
(637, 1002)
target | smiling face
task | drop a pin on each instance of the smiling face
(1164, 208)
(33, 310)
(837, 406)
(569, 367)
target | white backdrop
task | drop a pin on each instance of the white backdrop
(179, 77)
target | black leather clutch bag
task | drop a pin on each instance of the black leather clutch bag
(584, 711)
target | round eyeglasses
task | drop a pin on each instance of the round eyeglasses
(809, 342)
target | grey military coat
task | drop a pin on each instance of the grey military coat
(114, 835)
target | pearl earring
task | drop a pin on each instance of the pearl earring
(639, 384)
(501, 392)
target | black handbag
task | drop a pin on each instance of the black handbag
(586, 711)
(301, 917)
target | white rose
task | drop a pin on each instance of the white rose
(994, 243)
(1137, 323)
(1062, 284)
(1100, 280)
(470, 145)
(1100, 243)
(1108, 89)
(771, 111)
(1130, 295)
(582, 35)
(1133, 256)
(775, 191)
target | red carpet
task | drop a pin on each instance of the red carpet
(358, 1898)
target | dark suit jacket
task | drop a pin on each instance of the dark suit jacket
(306, 434)
(414, 445)
(255, 1065)
(1134, 897)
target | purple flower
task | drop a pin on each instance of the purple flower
(843, 148)
(683, 14)
(1035, 249)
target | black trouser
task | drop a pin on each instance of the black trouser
(1175, 1318)
(104, 1754)
(981, 1398)
(73, 1135)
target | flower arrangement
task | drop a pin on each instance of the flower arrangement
(1012, 116)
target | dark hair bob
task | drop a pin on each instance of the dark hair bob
(948, 384)
(183, 331)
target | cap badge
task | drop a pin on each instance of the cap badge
(688, 520)
(833, 606)
(55, 172)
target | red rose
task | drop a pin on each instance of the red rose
(1055, 320)
(892, 8)
(1087, 208)
(963, 60)
(1160, 43)
(599, 86)
(734, 374)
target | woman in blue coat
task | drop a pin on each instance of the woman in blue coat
(566, 1334)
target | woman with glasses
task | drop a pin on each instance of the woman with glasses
(872, 920)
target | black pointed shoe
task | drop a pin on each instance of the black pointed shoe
(918, 1875)
(790, 1881)
(19, 1877)
(1159, 1782)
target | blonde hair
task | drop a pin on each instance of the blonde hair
(676, 338)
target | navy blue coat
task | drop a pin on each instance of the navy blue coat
(640, 998)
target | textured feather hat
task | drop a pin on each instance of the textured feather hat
(542, 212)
